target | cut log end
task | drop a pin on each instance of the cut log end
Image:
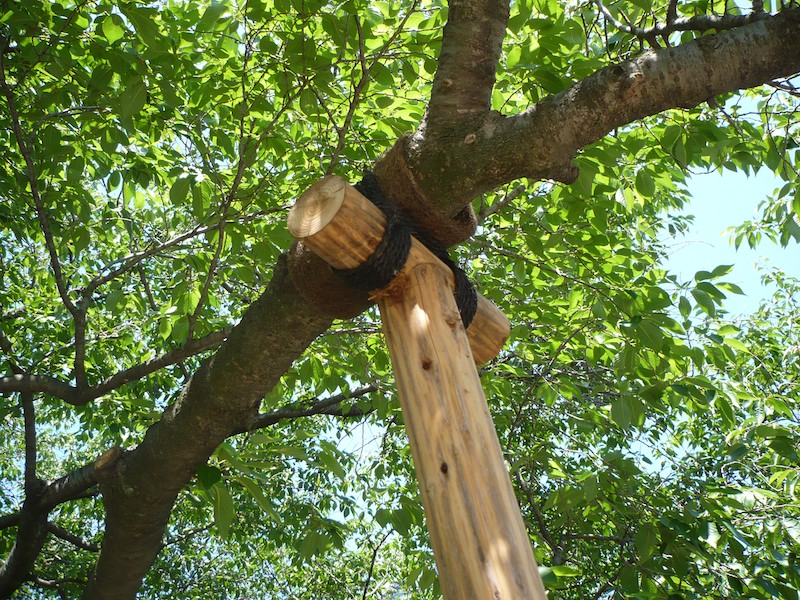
(316, 207)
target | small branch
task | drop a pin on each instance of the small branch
(363, 82)
(786, 87)
(599, 538)
(78, 397)
(8, 350)
(69, 112)
(699, 23)
(30, 172)
(78, 313)
(73, 539)
(372, 563)
(672, 11)
(555, 547)
(326, 406)
(488, 211)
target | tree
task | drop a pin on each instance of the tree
(173, 396)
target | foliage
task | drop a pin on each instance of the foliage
(653, 443)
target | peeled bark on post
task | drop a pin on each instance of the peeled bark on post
(478, 536)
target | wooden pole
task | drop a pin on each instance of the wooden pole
(478, 536)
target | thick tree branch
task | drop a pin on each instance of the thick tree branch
(29, 418)
(540, 142)
(471, 46)
(221, 398)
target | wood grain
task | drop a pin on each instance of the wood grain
(343, 227)
(479, 540)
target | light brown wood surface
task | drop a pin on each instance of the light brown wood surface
(479, 540)
(477, 533)
(343, 227)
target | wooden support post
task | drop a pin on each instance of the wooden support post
(478, 536)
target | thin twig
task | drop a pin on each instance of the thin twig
(488, 211)
(363, 82)
(372, 563)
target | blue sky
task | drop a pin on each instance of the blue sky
(719, 202)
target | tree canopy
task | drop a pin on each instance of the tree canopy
(191, 409)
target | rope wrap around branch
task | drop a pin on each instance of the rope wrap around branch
(391, 253)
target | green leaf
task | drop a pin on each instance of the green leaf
(684, 306)
(133, 99)
(211, 15)
(179, 190)
(645, 184)
(224, 510)
(143, 22)
(208, 475)
(705, 302)
(721, 270)
(649, 334)
(628, 411)
(258, 495)
(646, 540)
(113, 28)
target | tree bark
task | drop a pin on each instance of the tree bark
(481, 152)
(454, 157)
(221, 399)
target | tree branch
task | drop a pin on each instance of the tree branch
(326, 406)
(78, 313)
(73, 539)
(471, 46)
(363, 81)
(540, 142)
(77, 397)
(221, 398)
(29, 418)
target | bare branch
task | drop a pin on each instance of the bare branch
(372, 563)
(787, 87)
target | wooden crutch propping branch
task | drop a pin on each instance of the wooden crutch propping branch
(479, 540)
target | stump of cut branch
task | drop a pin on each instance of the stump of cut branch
(479, 540)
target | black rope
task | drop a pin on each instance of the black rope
(392, 251)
